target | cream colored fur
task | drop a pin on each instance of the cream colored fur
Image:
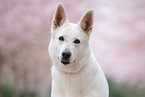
(83, 77)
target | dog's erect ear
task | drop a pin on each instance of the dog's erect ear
(59, 16)
(87, 21)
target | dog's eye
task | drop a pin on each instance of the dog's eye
(61, 38)
(77, 41)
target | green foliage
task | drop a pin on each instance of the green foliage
(123, 90)
(116, 90)
(27, 94)
(7, 91)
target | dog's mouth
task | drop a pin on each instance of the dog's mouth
(65, 61)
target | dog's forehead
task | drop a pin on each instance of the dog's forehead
(71, 30)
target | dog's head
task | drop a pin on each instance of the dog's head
(69, 46)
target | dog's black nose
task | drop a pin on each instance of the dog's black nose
(66, 54)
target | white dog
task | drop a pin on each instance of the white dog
(75, 71)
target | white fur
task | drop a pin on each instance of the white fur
(82, 78)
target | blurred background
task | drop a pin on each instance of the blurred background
(118, 42)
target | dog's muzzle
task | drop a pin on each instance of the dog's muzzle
(66, 57)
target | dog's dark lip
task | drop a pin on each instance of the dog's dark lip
(65, 61)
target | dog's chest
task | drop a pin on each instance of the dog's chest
(69, 84)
